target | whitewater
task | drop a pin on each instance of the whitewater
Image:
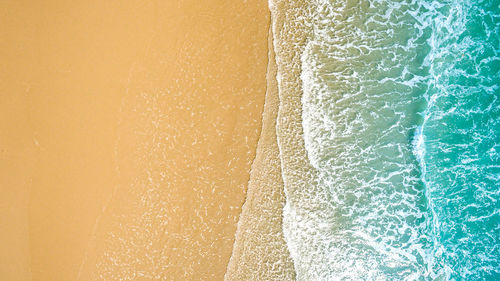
(388, 132)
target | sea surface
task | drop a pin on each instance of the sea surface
(389, 137)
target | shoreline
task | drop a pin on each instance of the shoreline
(260, 251)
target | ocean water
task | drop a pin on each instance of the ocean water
(389, 135)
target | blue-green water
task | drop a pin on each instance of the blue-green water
(400, 127)
(459, 141)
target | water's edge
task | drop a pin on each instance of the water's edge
(260, 251)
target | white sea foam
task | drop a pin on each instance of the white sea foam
(369, 77)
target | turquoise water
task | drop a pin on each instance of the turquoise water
(459, 141)
(400, 132)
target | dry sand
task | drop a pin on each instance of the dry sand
(128, 130)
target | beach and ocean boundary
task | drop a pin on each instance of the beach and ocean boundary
(260, 251)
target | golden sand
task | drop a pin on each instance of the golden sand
(128, 130)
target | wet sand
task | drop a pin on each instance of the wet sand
(129, 136)
(260, 251)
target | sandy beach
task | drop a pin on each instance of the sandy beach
(128, 132)
(249, 140)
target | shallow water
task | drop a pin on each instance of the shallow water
(391, 165)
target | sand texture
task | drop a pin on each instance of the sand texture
(128, 132)
(260, 251)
